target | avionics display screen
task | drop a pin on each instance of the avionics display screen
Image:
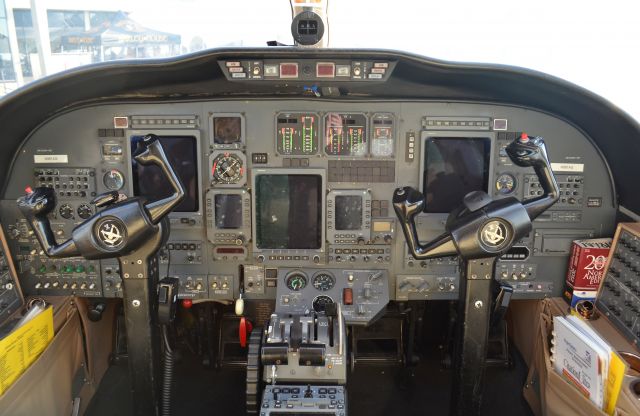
(348, 212)
(453, 167)
(149, 181)
(227, 130)
(345, 134)
(228, 211)
(288, 211)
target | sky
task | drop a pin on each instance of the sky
(595, 44)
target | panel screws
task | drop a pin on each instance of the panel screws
(478, 304)
(135, 303)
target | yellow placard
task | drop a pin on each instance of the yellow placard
(21, 348)
(617, 370)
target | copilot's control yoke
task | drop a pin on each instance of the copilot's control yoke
(479, 231)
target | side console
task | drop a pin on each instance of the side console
(10, 295)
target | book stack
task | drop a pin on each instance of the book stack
(588, 362)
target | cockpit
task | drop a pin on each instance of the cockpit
(312, 231)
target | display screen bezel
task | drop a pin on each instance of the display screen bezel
(216, 212)
(297, 114)
(361, 213)
(350, 116)
(256, 173)
(489, 161)
(243, 129)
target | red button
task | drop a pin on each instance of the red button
(347, 296)
(28, 189)
(524, 137)
(187, 303)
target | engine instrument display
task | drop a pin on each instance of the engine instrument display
(345, 134)
(296, 281)
(382, 135)
(297, 133)
(320, 303)
(323, 281)
(288, 211)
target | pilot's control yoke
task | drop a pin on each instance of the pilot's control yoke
(131, 230)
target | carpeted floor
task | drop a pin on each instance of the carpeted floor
(372, 391)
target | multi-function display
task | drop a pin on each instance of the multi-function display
(453, 167)
(288, 211)
(228, 211)
(348, 212)
(149, 182)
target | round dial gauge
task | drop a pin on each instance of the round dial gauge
(84, 211)
(113, 180)
(505, 184)
(227, 168)
(320, 303)
(323, 281)
(296, 281)
(66, 211)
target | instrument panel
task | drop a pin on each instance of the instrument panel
(272, 189)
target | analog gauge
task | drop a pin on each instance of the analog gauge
(113, 180)
(505, 184)
(296, 281)
(323, 281)
(66, 211)
(84, 211)
(227, 168)
(320, 303)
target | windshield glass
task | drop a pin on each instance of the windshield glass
(593, 45)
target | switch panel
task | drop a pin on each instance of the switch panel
(10, 296)
(619, 295)
(363, 294)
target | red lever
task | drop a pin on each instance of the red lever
(244, 329)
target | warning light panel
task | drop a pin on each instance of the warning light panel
(289, 70)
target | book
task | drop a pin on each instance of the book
(586, 360)
(586, 267)
(22, 346)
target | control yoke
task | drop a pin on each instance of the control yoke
(118, 229)
(461, 238)
(479, 231)
(528, 151)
